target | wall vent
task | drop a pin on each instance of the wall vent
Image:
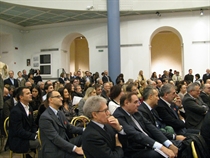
(48, 50)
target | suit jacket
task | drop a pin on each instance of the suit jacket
(205, 77)
(188, 77)
(97, 142)
(195, 110)
(170, 117)
(205, 98)
(61, 80)
(205, 130)
(8, 105)
(21, 129)
(54, 134)
(8, 81)
(149, 116)
(105, 79)
(135, 139)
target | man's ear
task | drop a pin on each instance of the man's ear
(94, 114)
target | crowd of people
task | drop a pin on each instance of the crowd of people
(138, 118)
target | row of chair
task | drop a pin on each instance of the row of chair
(75, 121)
(81, 120)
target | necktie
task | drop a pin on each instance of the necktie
(157, 122)
(138, 125)
(107, 132)
(59, 117)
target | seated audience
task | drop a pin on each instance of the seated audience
(98, 89)
(206, 75)
(120, 80)
(115, 95)
(62, 78)
(99, 138)
(106, 91)
(147, 108)
(55, 130)
(22, 129)
(31, 78)
(37, 77)
(205, 130)
(195, 108)
(67, 107)
(77, 91)
(153, 76)
(182, 90)
(20, 79)
(205, 94)
(143, 138)
(9, 104)
(168, 111)
(89, 92)
(36, 97)
(11, 80)
(48, 88)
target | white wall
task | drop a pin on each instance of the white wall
(134, 30)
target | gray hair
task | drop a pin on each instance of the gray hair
(165, 89)
(192, 86)
(148, 91)
(92, 104)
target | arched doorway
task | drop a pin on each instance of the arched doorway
(75, 45)
(166, 50)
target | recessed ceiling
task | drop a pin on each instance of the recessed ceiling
(30, 16)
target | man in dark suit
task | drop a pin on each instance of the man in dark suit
(22, 129)
(99, 138)
(11, 80)
(206, 76)
(168, 111)
(55, 131)
(143, 138)
(150, 97)
(205, 130)
(195, 108)
(9, 104)
(106, 78)
(106, 90)
(205, 94)
(189, 77)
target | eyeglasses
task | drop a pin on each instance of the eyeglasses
(105, 110)
(58, 96)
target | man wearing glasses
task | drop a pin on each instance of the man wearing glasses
(143, 138)
(100, 138)
(194, 106)
(55, 131)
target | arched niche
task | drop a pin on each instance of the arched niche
(166, 47)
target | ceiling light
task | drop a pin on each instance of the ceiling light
(158, 14)
(201, 12)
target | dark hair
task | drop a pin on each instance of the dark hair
(61, 91)
(148, 91)
(197, 75)
(68, 86)
(20, 92)
(39, 96)
(30, 75)
(47, 86)
(97, 86)
(126, 96)
(129, 87)
(115, 91)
